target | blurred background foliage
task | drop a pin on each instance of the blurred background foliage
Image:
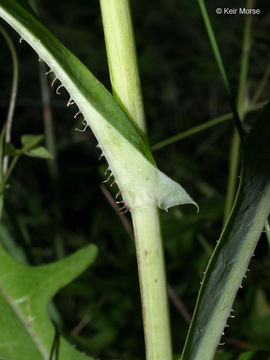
(54, 207)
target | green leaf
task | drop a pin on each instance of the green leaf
(10, 245)
(223, 356)
(39, 152)
(253, 355)
(121, 141)
(25, 292)
(10, 150)
(31, 141)
(236, 246)
(259, 316)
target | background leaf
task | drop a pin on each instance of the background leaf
(24, 296)
(253, 355)
(39, 152)
(31, 141)
(10, 150)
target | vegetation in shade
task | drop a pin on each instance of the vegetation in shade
(25, 294)
(229, 262)
(51, 212)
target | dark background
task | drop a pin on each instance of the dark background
(52, 210)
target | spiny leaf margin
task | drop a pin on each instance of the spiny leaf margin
(229, 262)
(122, 143)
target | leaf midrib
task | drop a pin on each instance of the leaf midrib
(26, 324)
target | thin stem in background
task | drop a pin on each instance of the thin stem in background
(221, 67)
(13, 95)
(262, 85)
(205, 244)
(241, 104)
(52, 165)
(123, 219)
(191, 131)
(87, 317)
(242, 345)
(201, 127)
(48, 124)
(242, 100)
(9, 171)
(178, 303)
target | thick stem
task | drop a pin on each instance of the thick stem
(153, 286)
(122, 58)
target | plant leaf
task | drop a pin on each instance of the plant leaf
(10, 245)
(39, 152)
(10, 150)
(237, 243)
(31, 141)
(121, 141)
(25, 292)
(253, 355)
(223, 356)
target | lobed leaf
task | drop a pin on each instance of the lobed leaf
(25, 292)
(30, 141)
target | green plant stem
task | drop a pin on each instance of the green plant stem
(267, 231)
(125, 81)
(122, 58)
(191, 131)
(232, 178)
(235, 147)
(220, 65)
(153, 285)
(9, 171)
(14, 88)
(201, 127)
(262, 85)
(244, 63)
